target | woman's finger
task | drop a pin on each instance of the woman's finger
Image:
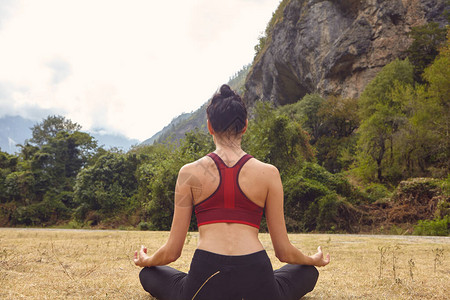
(135, 259)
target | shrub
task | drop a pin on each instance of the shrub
(445, 185)
(442, 207)
(73, 224)
(7, 210)
(316, 199)
(300, 192)
(437, 226)
(335, 182)
(418, 186)
(376, 191)
(144, 226)
(48, 211)
(79, 214)
(328, 211)
(93, 218)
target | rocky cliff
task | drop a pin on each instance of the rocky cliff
(334, 47)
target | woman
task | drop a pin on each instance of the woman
(229, 189)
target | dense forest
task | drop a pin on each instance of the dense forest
(379, 163)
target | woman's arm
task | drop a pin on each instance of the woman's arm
(284, 250)
(171, 250)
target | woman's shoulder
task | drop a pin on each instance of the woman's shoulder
(201, 164)
(205, 164)
(262, 167)
(196, 172)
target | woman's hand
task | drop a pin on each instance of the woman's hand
(141, 258)
(319, 260)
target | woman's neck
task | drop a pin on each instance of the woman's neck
(228, 149)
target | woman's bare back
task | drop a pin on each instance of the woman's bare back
(228, 238)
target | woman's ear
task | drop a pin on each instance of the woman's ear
(245, 127)
(210, 129)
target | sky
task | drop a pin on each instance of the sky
(124, 67)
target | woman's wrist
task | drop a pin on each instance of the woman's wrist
(309, 260)
(148, 261)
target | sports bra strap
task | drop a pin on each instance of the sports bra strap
(221, 164)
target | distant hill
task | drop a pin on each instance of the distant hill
(179, 126)
(167, 130)
(16, 129)
(108, 140)
(186, 122)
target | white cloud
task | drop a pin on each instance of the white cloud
(61, 69)
(125, 66)
(6, 9)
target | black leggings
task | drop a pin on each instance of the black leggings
(213, 277)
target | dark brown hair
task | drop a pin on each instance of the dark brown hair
(226, 111)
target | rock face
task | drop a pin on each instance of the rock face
(334, 47)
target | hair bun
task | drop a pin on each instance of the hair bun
(226, 91)
(226, 111)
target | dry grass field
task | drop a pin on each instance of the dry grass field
(78, 264)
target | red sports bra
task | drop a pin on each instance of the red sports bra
(228, 204)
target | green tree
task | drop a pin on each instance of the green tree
(437, 107)
(406, 134)
(106, 188)
(306, 111)
(331, 123)
(20, 187)
(340, 120)
(412, 145)
(417, 144)
(427, 40)
(423, 141)
(8, 164)
(50, 127)
(273, 138)
(42, 184)
(340, 116)
(62, 157)
(381, 117)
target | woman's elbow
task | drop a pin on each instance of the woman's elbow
(173, 256)
(282, 256)
(170, 253)
(286, 253)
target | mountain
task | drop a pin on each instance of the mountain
(108, 140)
(197, 119)
(333, 47)
(170, 130)
(15, 130)
(328, 47)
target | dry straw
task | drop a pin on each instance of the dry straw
(74, 264)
